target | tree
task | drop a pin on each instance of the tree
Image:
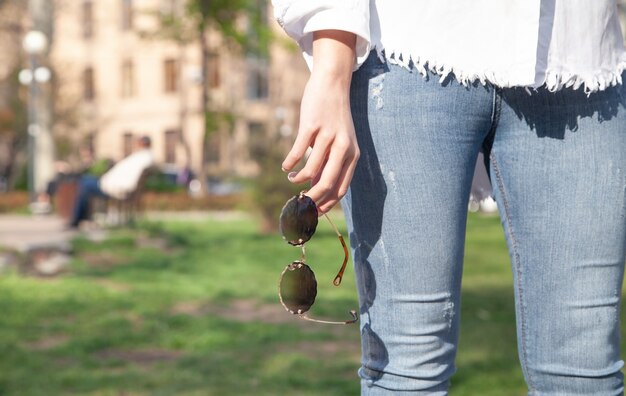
(240, 23)
(12, 98)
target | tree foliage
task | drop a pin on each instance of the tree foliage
(239, 22)
(243, 27)
(13, 111)
(12, 96)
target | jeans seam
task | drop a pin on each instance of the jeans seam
(517, 265)
(495, 109)
(494, 119)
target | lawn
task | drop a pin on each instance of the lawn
(190, 308)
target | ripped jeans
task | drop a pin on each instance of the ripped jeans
(557, 162)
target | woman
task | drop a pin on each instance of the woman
(536, 84)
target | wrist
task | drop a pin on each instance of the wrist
(334, 55)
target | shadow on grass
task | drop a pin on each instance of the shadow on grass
(180, 354)
(116, 348)
(202, 317)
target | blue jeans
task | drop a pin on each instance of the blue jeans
(89, 186)
(557, 162)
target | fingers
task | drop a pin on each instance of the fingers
(314, 163)
(334, 179)
(303, 141)
(341, 187)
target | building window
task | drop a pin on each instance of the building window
(87, 19)
(171, 139)
(258, 81)
(213, 72)
(256, 128)
(127, 14)
(89, 88)
(127, 144)
(170, 74)
(128, 79)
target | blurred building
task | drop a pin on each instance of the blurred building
(122, 77)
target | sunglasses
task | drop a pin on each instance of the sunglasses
(297, 288)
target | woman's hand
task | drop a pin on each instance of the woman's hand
(326, 122)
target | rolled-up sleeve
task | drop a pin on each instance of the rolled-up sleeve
(300, 18)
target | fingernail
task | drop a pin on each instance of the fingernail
(283, 169)
(291, 175)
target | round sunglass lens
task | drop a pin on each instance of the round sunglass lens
(298, 220)
(298, 288)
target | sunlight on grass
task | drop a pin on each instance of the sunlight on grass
(180, 308)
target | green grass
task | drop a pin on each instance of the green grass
(197, 314)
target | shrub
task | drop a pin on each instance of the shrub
(15, 201)
(271, 189)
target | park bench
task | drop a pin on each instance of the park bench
(118, 212)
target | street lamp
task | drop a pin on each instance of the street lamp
(35, 44)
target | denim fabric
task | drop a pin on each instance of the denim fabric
(89, 186)
(558, 165)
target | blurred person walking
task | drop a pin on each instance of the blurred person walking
(118, 182)
(402, 97)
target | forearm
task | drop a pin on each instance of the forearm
(334, 56)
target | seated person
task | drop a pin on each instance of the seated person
(118, 182)
(65, 171)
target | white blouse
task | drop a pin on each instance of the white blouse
(530, 43)
(122, 179)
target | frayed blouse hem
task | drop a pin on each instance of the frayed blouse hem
(554, 80)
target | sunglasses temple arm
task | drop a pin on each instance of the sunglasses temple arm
(352, 313)
(337, 280)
